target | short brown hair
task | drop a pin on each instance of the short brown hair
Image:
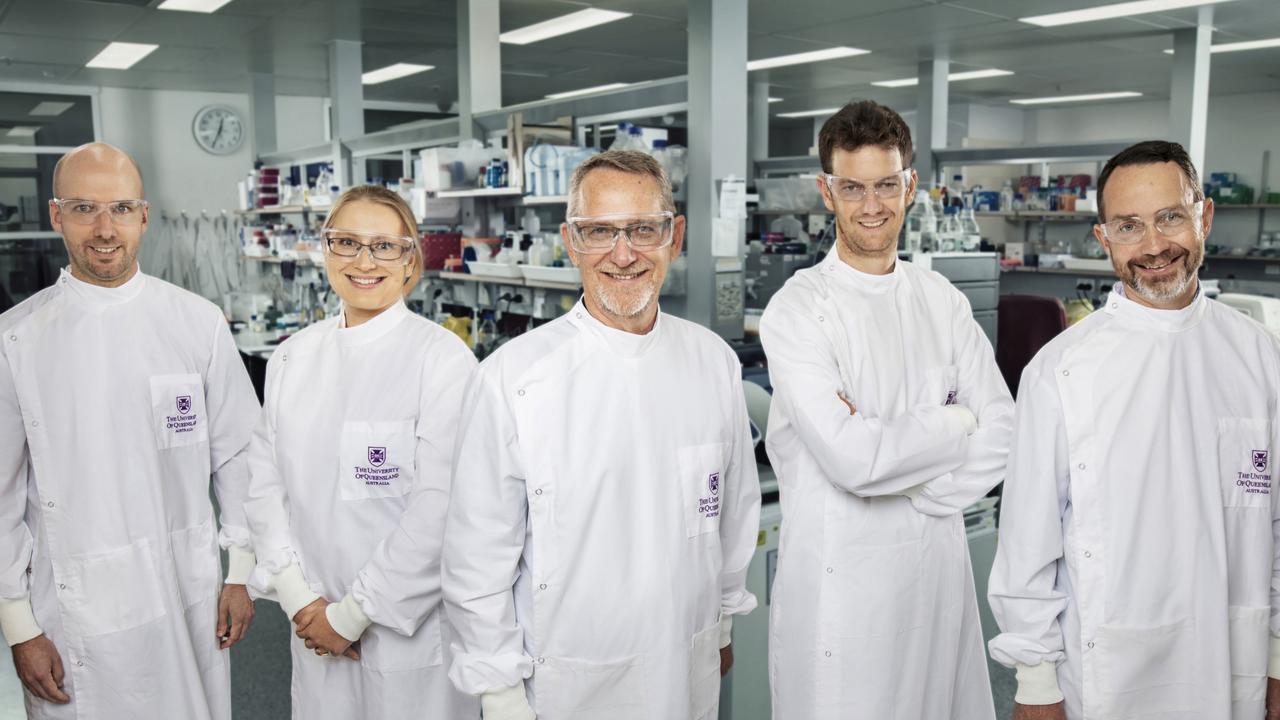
(381, 196)
(1150, 152)
(627, 161)
(860, 124)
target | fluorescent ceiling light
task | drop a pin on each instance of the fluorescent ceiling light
(200, 6)
(393, 72)
(953, 77)
(1108, 12)
(563, 25)
(1239, 46)
(121, 55)
(586, 91)
(774, 100)
(809, 113)
(49, 108)
(1076, 98)
(23, 131)
(804, 57)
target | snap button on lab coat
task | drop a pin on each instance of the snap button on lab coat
(61, 586)
(520, 393)
(543, 586)
(79, 663)
(1090, 645)
(50, 503)
(1088, 554)
(35, 423)
(14, 338)
(830, 570)
(541, 660)
(1066, 373)
(820, 318)
(1115, 305)
(828, 653)
(538, 491)
(1081, 466)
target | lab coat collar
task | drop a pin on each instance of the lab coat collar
(96, 295)
(620, 342)
(840, 271)
(1121, 307)
(373, 328)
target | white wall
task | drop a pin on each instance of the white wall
(154, 126)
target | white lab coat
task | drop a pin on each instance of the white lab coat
(605, 510)
(874, 609)
(1137, 531)
(350, 470)
(116, 405)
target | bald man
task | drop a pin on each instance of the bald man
(120, 396)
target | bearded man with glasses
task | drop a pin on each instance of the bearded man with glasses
(120, 395)
(1137, 573)
(605, 501)
(889, 418)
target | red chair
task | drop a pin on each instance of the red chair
(1025, 323)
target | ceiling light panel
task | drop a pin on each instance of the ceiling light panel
(586, 91)
(563, 25)
(200, 6)
(1110, 12)
(805, 57)
(393, 72)
(121, 55)
(1076, 98)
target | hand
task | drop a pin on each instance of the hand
(235, 615)
(40, 669)
(726, 659)
(1056, 711)
(852, 410)
(318, 635)
(1273, 699)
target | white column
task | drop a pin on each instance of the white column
(931, 117)
(479, 61)
(1189, 93)
(262, 112)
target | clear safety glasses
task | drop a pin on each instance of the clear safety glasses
(1169, 222)
(598, 235)
(385, 249)
(889, 187)
(86, 212)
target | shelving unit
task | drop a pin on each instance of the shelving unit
(480, 192)
(287, 210)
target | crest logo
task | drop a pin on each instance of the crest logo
(1260, 458)
(713, 483)
(951, 398)
(184, 404)
(377, 456)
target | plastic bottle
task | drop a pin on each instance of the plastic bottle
(622, 137)
(920, 221)
(972, 231)
(1006, 196)
(950, 233)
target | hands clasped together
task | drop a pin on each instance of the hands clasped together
(311, 623)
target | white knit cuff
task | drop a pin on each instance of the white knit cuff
(347, 618)
(292, 591)
(961, 418)
(240, 562)
(913, 493)
(508, 703)
(1038, 684)
(17, 621)
(1273, 667)
(726, 630)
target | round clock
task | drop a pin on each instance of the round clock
(218, 129)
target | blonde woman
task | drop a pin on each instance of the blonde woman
(350, 480)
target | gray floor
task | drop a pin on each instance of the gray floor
(260, 674)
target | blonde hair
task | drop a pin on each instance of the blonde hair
(379, 195)
(627, 161)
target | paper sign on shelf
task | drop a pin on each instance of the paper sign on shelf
(726, 236)
(733, 198)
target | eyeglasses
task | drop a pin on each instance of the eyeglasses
(382, 248)
(598, 235)
(889, 187)
(1168, 222)
(86, 212)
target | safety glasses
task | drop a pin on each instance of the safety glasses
(86, 212)
(598, 235)
(385, 249)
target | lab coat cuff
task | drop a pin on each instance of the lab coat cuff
(347, 618)
(292, 590)
(726, 630)
(1273, 666)
(913, 493)
(508, 703)
(1038, 684)
(17, 621)
(240, 562)
(961, 418)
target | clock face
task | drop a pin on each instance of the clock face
(218, 129)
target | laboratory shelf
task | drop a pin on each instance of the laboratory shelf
(519, 282)
(544, 200)
(480, 192)
(287, 210)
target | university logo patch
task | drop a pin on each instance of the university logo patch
(1260, 458)
(713, 483)
(377, 456)
(184, 404)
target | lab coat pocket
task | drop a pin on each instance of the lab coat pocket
(569, 689)
(385, 650)
(878, 587)
(196, 563)
(377, 459)
(178, 410)
(1147, 670)
(704, 672)
(941, 386)
(702, 469)
(1250, 647)
(1244, 462)
(113, 590)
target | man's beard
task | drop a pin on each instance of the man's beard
(1165, 290)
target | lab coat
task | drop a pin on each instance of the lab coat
(874, 610)
(1137, 544)
(116, 405)
(605, 510)
(350, 469)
